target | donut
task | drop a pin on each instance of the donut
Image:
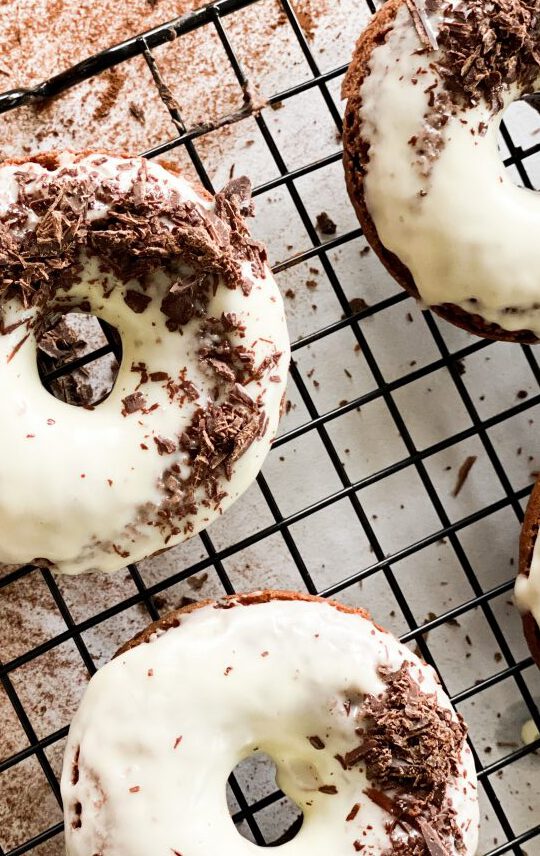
(527, 589)
(364, 739)
(426, 91)
(205, 355)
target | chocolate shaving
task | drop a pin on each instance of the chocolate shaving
(137, 112)
(463, 474)
(353, 812)
(488, 45)
(61, 343)
(422, 24)
(233, 363)
(411, 751)
(186, 298)
(136, 300)
(382, 800)
(217, 436)
(432, 838)
(238, 192)
(132, 403)
(142, 230)
(164, 446)
(220, 434)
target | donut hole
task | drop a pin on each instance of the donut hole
(256, 776)
(522, 123)
(78, 358)
(76, 823)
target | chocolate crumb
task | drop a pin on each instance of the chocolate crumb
(132, 403)
(165, 446)
(463, 474)
(136, 300)
(325, 224)
(353, 812)
(196, 583)
(328, 789)
(137, 112)
(358, 304)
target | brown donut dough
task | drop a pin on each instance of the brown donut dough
(356, 155)
(529, 533)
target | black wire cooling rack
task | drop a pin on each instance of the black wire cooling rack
(482, 600)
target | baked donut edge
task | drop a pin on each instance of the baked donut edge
(172, 619)
(529, 534)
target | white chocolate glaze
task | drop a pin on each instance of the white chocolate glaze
(466, 233)
(162, 726)
(527, 589)
(77, 486)
(529, 733)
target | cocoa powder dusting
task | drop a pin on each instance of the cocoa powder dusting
(40, 38)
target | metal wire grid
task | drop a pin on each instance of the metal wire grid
(212, 16)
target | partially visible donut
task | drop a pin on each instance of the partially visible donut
(364, 739)
(426, 91)
(205, 356)
(527, 590)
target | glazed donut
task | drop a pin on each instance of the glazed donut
(205, 356)
(426, 91)
(527, 590)
(364, 739)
